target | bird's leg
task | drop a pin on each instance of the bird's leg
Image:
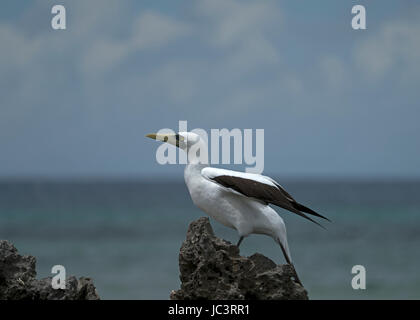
(240, 240)
(296, 276)
(290, 263)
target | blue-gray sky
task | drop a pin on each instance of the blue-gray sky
(333, 101)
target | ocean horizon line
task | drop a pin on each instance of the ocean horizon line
(175, 178)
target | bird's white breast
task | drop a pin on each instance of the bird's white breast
(230, 209)
(210, 197)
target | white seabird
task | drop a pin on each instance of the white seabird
(237, 200)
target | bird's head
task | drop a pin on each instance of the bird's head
(182, 140)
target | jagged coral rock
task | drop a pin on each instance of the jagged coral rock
(17, 280)
(211, 268)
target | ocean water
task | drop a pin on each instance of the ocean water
(126, 235)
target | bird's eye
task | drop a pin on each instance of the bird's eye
(165, 139)
(177, 137)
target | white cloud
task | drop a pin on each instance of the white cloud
(115, 67)
(333, 71)
(150, 31)
(177, 80)
(251, 55)
(96, 44)
(292, 84)
(393, 51)
(239, 48)
(241, 29)
(18, 50)
(234, 21)
(153, 30)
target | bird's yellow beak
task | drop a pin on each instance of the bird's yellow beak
(174, 139)
(151, 136)
(166, 137)
(160, 137)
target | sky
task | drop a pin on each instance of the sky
(333, 101)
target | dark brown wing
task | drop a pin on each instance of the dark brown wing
(297, 205)
(266, 193)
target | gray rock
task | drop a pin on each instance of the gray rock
(17, 280)
(211, 268)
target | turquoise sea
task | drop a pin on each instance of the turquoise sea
(126, 235)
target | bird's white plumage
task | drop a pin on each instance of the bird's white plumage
(238, 200)
(209, 172)
(232, 209)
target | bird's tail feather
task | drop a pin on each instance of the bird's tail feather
(302, 208)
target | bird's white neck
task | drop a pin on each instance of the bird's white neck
(197, 153)
(197, 159)
(193, 178)
(195, 168)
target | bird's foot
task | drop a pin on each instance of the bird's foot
(297, 280)
(239, 242)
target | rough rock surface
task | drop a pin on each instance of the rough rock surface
(17, 280)
(211, 268)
